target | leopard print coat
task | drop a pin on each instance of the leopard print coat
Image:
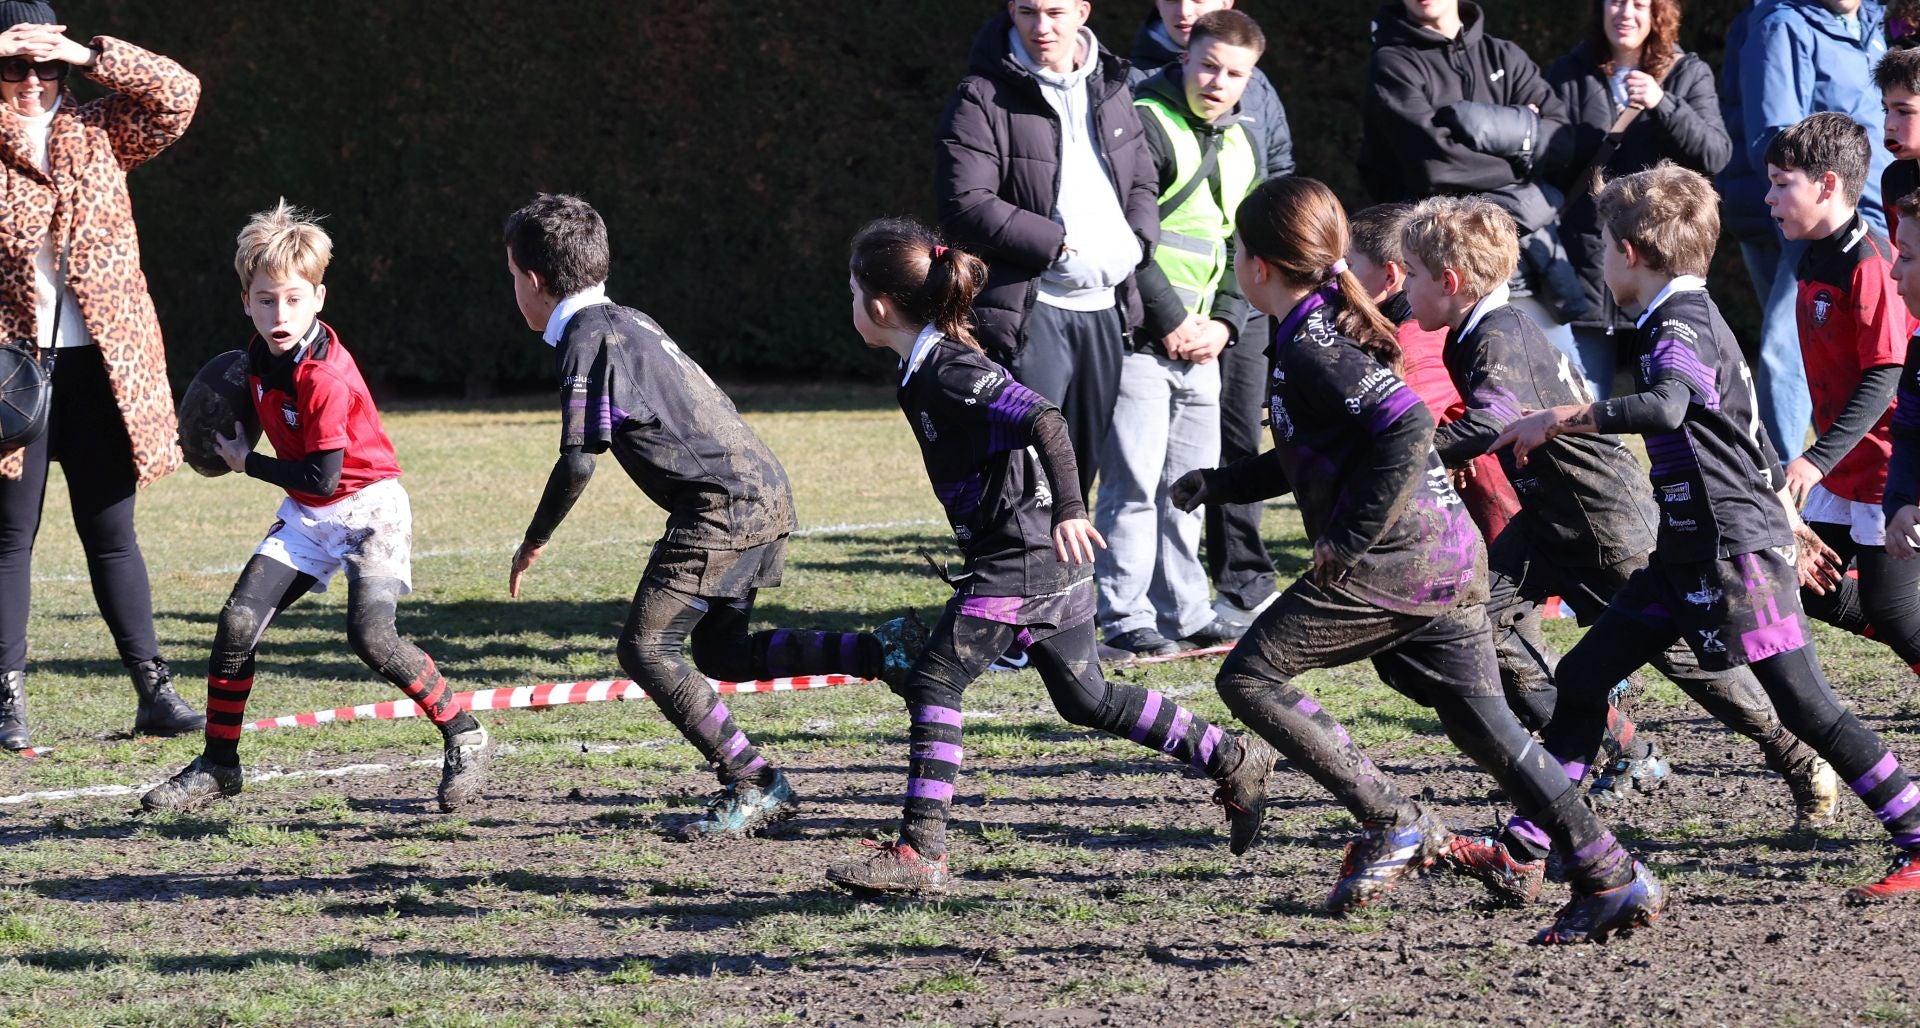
(90, 148)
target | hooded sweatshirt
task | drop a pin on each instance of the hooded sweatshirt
(1102, 250)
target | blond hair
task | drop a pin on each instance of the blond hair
(1475, 238)
(1670, 214)
(283, 242)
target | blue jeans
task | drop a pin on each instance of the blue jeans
(1780, 377)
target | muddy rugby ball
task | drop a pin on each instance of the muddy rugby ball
(214, 400)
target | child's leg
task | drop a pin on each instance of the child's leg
(1890, 598)
(1068, 665)
(650, 651)
(958, 651)
(265, 588)
(723, 649)
(372, 603)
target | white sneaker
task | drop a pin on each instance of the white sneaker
(1229, 611)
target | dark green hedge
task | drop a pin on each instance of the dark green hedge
(733, 148)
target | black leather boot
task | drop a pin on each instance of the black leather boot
(161, 711)
(13, 710)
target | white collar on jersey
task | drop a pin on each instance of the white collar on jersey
(1488, 304)
(1678, 284)
(592, 296)
(922, 343)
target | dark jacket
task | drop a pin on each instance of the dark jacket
(1260, 109)
(1685, 129)
(997, 177)
(1163, 311)
(1415, 76)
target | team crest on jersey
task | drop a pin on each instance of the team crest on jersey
(1282, 424)
(926, 427)
(289, 415)
(1822, 307)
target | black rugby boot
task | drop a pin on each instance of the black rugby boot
(161, 710)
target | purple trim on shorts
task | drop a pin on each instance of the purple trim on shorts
(1208, 740)
(1596, 849)
(1307, 706)
(753, 765)
(712, 721)
(1533, 833)
(1574, 769)
(932, 715)
(1004, 609)
(1897, 807)
(943, 751)
(1149, 713)
(928, 789)
(1876, 774)
(1783, 636)
(736, 744)
(1390, 409)
(1177, 732)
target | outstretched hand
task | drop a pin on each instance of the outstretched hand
(1074, 540)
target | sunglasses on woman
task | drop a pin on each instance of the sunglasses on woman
(16, 69)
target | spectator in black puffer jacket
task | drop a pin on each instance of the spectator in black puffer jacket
(1237, 559)
(1453, 110)
(1628, 60)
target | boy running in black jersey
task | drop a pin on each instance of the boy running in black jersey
(1723, 576)
(1587, 518)
(625, 387)
(1000, 462)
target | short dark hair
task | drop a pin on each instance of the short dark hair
(1230, 27)
(1819, 143)
(1900, 67)
(562, 239)
(1377, 231)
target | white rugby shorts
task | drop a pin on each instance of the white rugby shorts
(1866, 522)
(370, 533)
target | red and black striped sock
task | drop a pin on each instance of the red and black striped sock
(226, 711)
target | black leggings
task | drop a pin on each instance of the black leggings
(267, 587)
(1882, 604)
(959, 651)
(88, 436)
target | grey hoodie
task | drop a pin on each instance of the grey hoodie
(1103, 248)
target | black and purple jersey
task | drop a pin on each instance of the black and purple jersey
(1583, 497)
(978, 435)
(625, 386)
(1355, 446)
(1714, 468)
(1903, 468)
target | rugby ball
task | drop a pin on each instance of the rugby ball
(214, 400)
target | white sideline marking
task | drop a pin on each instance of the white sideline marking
(842, 528)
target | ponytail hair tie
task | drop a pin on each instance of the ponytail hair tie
(1337, 268)
(939, 251)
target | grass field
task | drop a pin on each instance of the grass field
(1094, 883)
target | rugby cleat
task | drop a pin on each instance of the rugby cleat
(902, 640)
(1513, 882)
(1375, 862)
(896, 869)
(743, 809)
(196, 785)
(1902, 878)
(1244, 793)
(1816, 794)
(463, 770)
(1623, 776)
(1593, 917)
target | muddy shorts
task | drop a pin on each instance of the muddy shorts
(370, 532)
(716, 574)
(1419, 655)
(1039, 617)
(1735, 611)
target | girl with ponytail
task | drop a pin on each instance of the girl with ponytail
(1002, 467)
(1398, 576)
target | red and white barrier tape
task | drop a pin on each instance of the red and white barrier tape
(555, 694)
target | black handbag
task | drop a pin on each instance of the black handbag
(26, 389)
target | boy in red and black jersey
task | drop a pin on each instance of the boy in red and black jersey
(1853, 338)
(344, 508)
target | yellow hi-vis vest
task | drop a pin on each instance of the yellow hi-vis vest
(1194, 236)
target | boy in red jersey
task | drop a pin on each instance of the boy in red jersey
(344, 508)
(1853, 337)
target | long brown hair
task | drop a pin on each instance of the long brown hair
(1297, 226)
(1656, 54)
(926, 280)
